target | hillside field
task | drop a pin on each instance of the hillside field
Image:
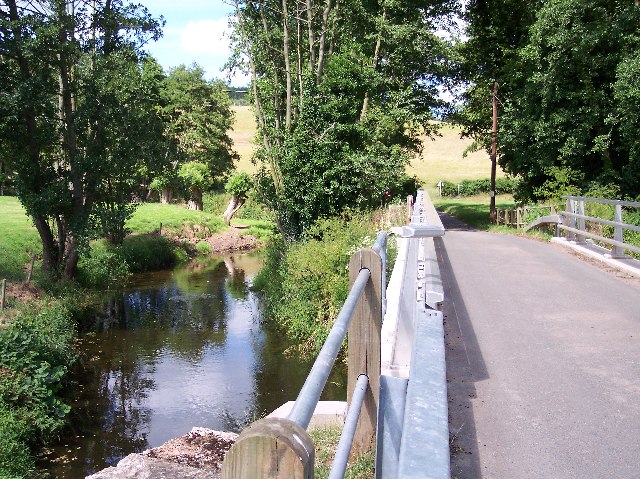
(442, 157)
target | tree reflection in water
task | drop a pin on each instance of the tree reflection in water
(172, 351)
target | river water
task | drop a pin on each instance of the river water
(171, 351)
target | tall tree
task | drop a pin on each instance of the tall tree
(56, 54)
(197, 115)
(566, 91)
(341, 91)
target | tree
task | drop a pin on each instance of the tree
(342, 92)
(55, 56)
(566, 92)
(198, 116)
(196, 177)
(238, 185)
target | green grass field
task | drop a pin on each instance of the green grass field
(18, 239)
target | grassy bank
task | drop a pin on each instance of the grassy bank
(305, 283)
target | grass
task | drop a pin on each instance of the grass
(442, 159)
(326, 440)
(148, 216)
(473, 210)
(243, 134)
(18, 239)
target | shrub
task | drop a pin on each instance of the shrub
(307, 282)
(147, 253)
(476, 187)
(203, 248)
(15, 456)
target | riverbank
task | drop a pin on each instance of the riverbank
(38, 324)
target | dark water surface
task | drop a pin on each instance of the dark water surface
(175, 350)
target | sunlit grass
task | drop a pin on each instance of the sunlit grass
(326, 441)
(443, 159)
(243, 135)
(148, 217)
(473, 210)
(19, 239)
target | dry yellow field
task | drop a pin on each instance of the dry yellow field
(441, 159)
(243, 136)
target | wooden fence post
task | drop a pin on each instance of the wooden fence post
(364, 345)
(570, 221)
(2, 292)
(271, 448)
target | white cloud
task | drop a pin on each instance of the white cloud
(206, 37)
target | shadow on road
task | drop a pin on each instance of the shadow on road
(465, 366)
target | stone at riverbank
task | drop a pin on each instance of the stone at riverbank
(196, 455)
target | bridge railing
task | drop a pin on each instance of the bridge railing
(282, 448)
(415, 416)
(576, 223)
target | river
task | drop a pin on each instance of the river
(170, 351)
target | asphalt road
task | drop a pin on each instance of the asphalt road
(543, 360)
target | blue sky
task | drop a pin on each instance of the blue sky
(195, 31)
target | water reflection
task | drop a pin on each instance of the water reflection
(172, 351)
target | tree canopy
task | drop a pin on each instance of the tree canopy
(342, 92)
(567, 71)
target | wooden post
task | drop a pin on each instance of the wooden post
(2, 292)
(160, 230)
(494, 155)
(618, 234)
(570, 221)
(519, 218)
(364, 345)
(409, 208)
(33, 260)
(271, 448)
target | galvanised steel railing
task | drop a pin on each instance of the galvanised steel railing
(282, 448)
(575, 223)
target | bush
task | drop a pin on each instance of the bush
(107, 264)
(476, 187)
(203, 248)
(15, 456)
(307, 282)
(36, 351)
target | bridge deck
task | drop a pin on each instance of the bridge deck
(543, 359)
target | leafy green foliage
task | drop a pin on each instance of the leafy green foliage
(569, 91)
(239, 184)
(36, 351)
(15, 456)
(476, 187)
(108, 264)
(307, 282)
(342, 95)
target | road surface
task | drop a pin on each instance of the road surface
(543, 360)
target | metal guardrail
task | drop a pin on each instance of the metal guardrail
(575, 222)
(282, 448)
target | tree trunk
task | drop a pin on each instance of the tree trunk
(323, 39)
(195, 202)
(166, 195)
(234, 205)
(287, 62)
(376, 56)
(49, 249)
(312, 40)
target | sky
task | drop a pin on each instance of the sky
(195, 31)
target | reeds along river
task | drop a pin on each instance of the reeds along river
(171, 351)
